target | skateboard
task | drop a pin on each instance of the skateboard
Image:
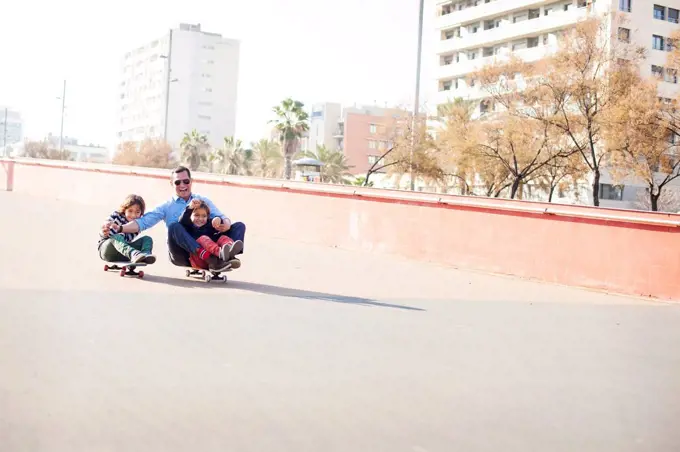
(126, 268)
(207, 275)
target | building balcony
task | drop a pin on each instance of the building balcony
(464, 67)
(493, 8)
(465, 92)
(508, 31)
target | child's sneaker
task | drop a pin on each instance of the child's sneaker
(149, 259)
(235, 263)
(137, 257)
(229, 250)
(216, 264)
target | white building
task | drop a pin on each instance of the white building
(472, 33)
(11, 127)
(203, 79)
(323, 125)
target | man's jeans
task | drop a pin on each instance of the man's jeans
(181, 244)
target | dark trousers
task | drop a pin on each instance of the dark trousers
(181, 244)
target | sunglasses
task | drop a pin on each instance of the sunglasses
(185, 181)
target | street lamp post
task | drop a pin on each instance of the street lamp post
(63, 106)
(167, 87)
(417, 97)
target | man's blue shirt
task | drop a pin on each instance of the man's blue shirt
(171, 211)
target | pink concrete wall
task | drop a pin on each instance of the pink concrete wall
(6, 174)
(622, 251)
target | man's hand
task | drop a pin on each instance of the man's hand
(194, 204)
(221, 225)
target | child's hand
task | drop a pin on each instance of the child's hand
(194, 204)
(216, 222)
(116, 227)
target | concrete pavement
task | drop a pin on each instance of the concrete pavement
(309, 349)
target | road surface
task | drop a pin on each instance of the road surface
(315, 349)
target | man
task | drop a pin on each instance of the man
(180, 244)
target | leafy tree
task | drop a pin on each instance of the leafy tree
(291, 123)
(575, 90)
(194, 150)
(232, 159)
(335, 166)
(267, 159)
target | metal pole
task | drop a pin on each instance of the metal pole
(4, 140)
(167, 89)
(417, 99)
(61, 132)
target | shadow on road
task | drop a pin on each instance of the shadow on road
(275, 290)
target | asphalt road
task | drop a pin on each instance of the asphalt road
(315, 349)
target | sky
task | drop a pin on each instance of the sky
(349, 51)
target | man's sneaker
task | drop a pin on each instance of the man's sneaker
(216, 264)
(235, 263)
(229, 250)
(149, 259)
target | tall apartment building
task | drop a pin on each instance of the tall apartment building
(11, 127)
(202, 71)
(473, 33)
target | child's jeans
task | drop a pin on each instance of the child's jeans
(116, 249)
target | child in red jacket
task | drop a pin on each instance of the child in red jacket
(195, 221)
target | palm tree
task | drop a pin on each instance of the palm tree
(335, 166)
(268, 158)
(291, 123)
(232, 158)
(193, 149)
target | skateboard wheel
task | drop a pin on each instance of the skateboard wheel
(106, 268)
(122, 272)
(141, 275)
(224, 279)
(206, 277)
(188, 273)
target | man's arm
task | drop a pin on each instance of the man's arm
(148, 220)
(214, 211)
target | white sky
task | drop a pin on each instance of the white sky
(314, 50)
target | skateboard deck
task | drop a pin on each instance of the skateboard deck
(126, 268)
(207, 275)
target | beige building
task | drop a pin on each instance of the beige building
(473, 33)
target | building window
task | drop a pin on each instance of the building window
(532, 42)
(446, 85)
(624, 34)
(207, 90)
(611, 192)
(657, 42)
(373, 128)
(626, 5)
(671, 75)
(205, 117)
(372, 144)
(673, 15)
(657, 71)
(659, 12)
(372, 159)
